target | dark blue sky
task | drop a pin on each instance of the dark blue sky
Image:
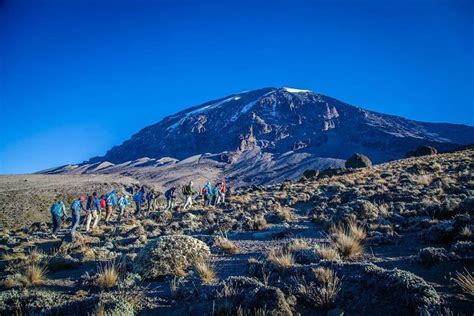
(77, 77)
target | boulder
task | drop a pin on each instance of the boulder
(358, 161)
(166, 254)
(422, 151)
(310, 174)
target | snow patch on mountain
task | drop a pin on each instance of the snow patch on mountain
(293, 90)
(203, 109)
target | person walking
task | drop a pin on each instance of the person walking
(222, 191)
(93, 209)
(170, 196)
(76, 207)
(216, 195)
(111, 202)
(139, 199)
(150, 198)
(123, 203)
(58, 211)
(188, 192)
(209, 193)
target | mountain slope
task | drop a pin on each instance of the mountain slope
(282, 120)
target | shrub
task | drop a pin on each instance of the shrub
(168, 254)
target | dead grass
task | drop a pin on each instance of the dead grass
(322, 294)
(297, 244)
(465, 280)
(356, 231)
(280, 258)
(108, 275)
(347, 240)
(466, 232)
(33, 274)
(206, 272)
(327, 252)
(261, 222)
(285, 214)
(179, 272)
(13, 256)
(225, 245)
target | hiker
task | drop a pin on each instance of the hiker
(111, 202)
(216, 197)
(221, 193)
(123, 203)
(76, 207)
(150, 198)
(209, 193)
(170, 196)
(205, 196)
(139, 199)
(93, 209)
(188, 192)
(58, 210)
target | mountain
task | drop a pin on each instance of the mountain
(268, 134)
(282, 120)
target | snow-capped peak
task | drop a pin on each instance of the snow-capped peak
(292, 90)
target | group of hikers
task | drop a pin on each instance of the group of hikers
(145, 201)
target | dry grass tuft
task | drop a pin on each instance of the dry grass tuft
(280, 258)
(347, 246)
(285, 213)
(297, 244)
(108, 275)
(347, 239)
(466, 232)
(327, 252)
(180, 272)
(226, 245)
(261, 223)
(206, 272)
(465, 280)
(33, 274)
(322, 294)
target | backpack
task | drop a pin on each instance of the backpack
(138, 197)
(186, 190)
(56, 208)
(223, 189)
(102, 203)
(76, 205)
(111, 199)
(90, 203)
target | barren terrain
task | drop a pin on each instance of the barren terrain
(395, 239)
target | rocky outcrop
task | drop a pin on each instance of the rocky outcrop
(358, 161)
(422, 151)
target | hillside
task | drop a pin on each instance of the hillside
(391, 239)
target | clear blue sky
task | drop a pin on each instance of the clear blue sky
(77, 77)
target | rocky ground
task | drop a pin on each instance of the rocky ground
(394, 238)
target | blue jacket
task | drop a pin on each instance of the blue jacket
(58, 209)
(209, 189)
